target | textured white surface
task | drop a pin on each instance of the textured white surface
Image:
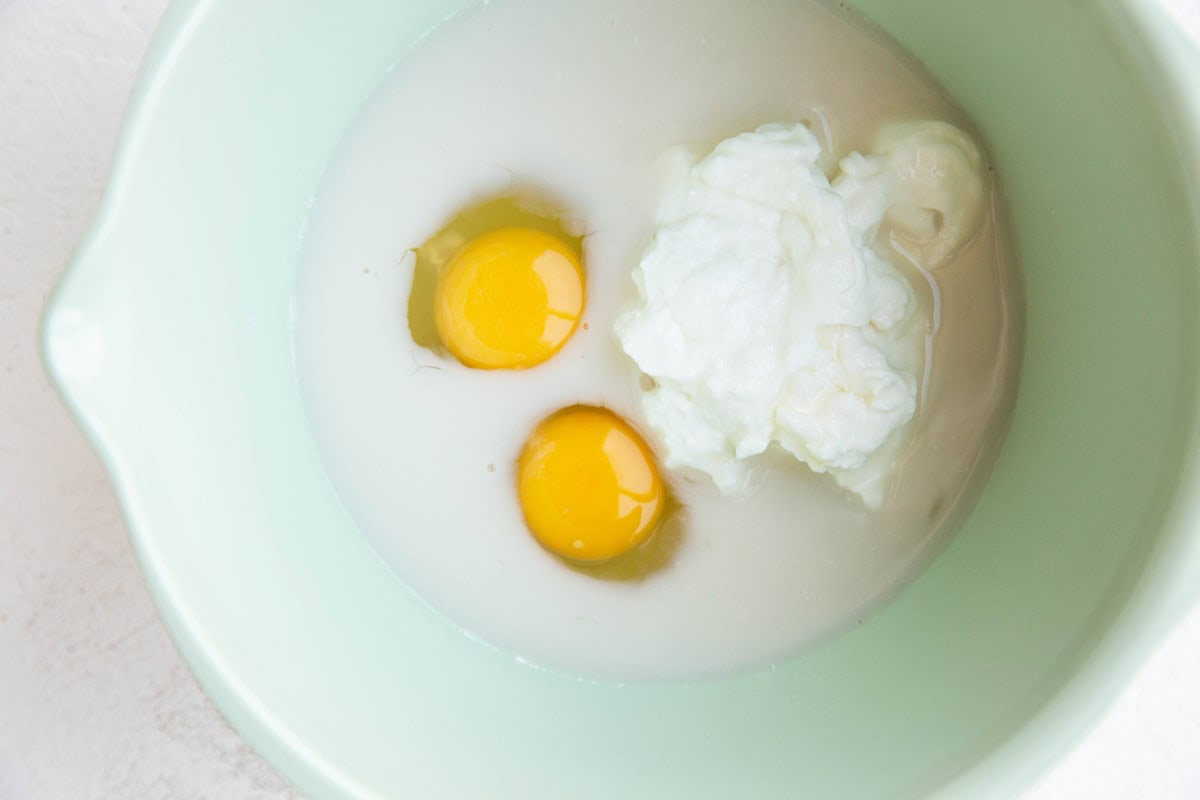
(741, 355)
(94, 699)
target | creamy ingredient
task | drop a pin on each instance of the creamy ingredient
(766, 317)
(934, 181)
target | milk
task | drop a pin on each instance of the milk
(578, 102)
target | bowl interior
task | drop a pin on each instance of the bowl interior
(172, 341)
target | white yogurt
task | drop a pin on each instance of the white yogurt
(766, 317)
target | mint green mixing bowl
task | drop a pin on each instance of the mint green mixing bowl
(170, 338)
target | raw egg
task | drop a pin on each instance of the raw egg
(588, 485)
(509, 299)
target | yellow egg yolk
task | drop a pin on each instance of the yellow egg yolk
(588, 485)
(509, 299)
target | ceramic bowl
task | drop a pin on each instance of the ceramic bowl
(170, 338)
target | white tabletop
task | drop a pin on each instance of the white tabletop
(94, 699)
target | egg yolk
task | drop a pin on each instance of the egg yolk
(588, 485)
(509, 299)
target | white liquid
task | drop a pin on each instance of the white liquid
(580, 99)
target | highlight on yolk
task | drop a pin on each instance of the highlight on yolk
(509, 299)
(588, 485)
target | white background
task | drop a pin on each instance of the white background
(94, 700)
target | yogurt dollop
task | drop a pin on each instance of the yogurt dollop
(766, 319)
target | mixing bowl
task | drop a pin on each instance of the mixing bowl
(170, 338)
